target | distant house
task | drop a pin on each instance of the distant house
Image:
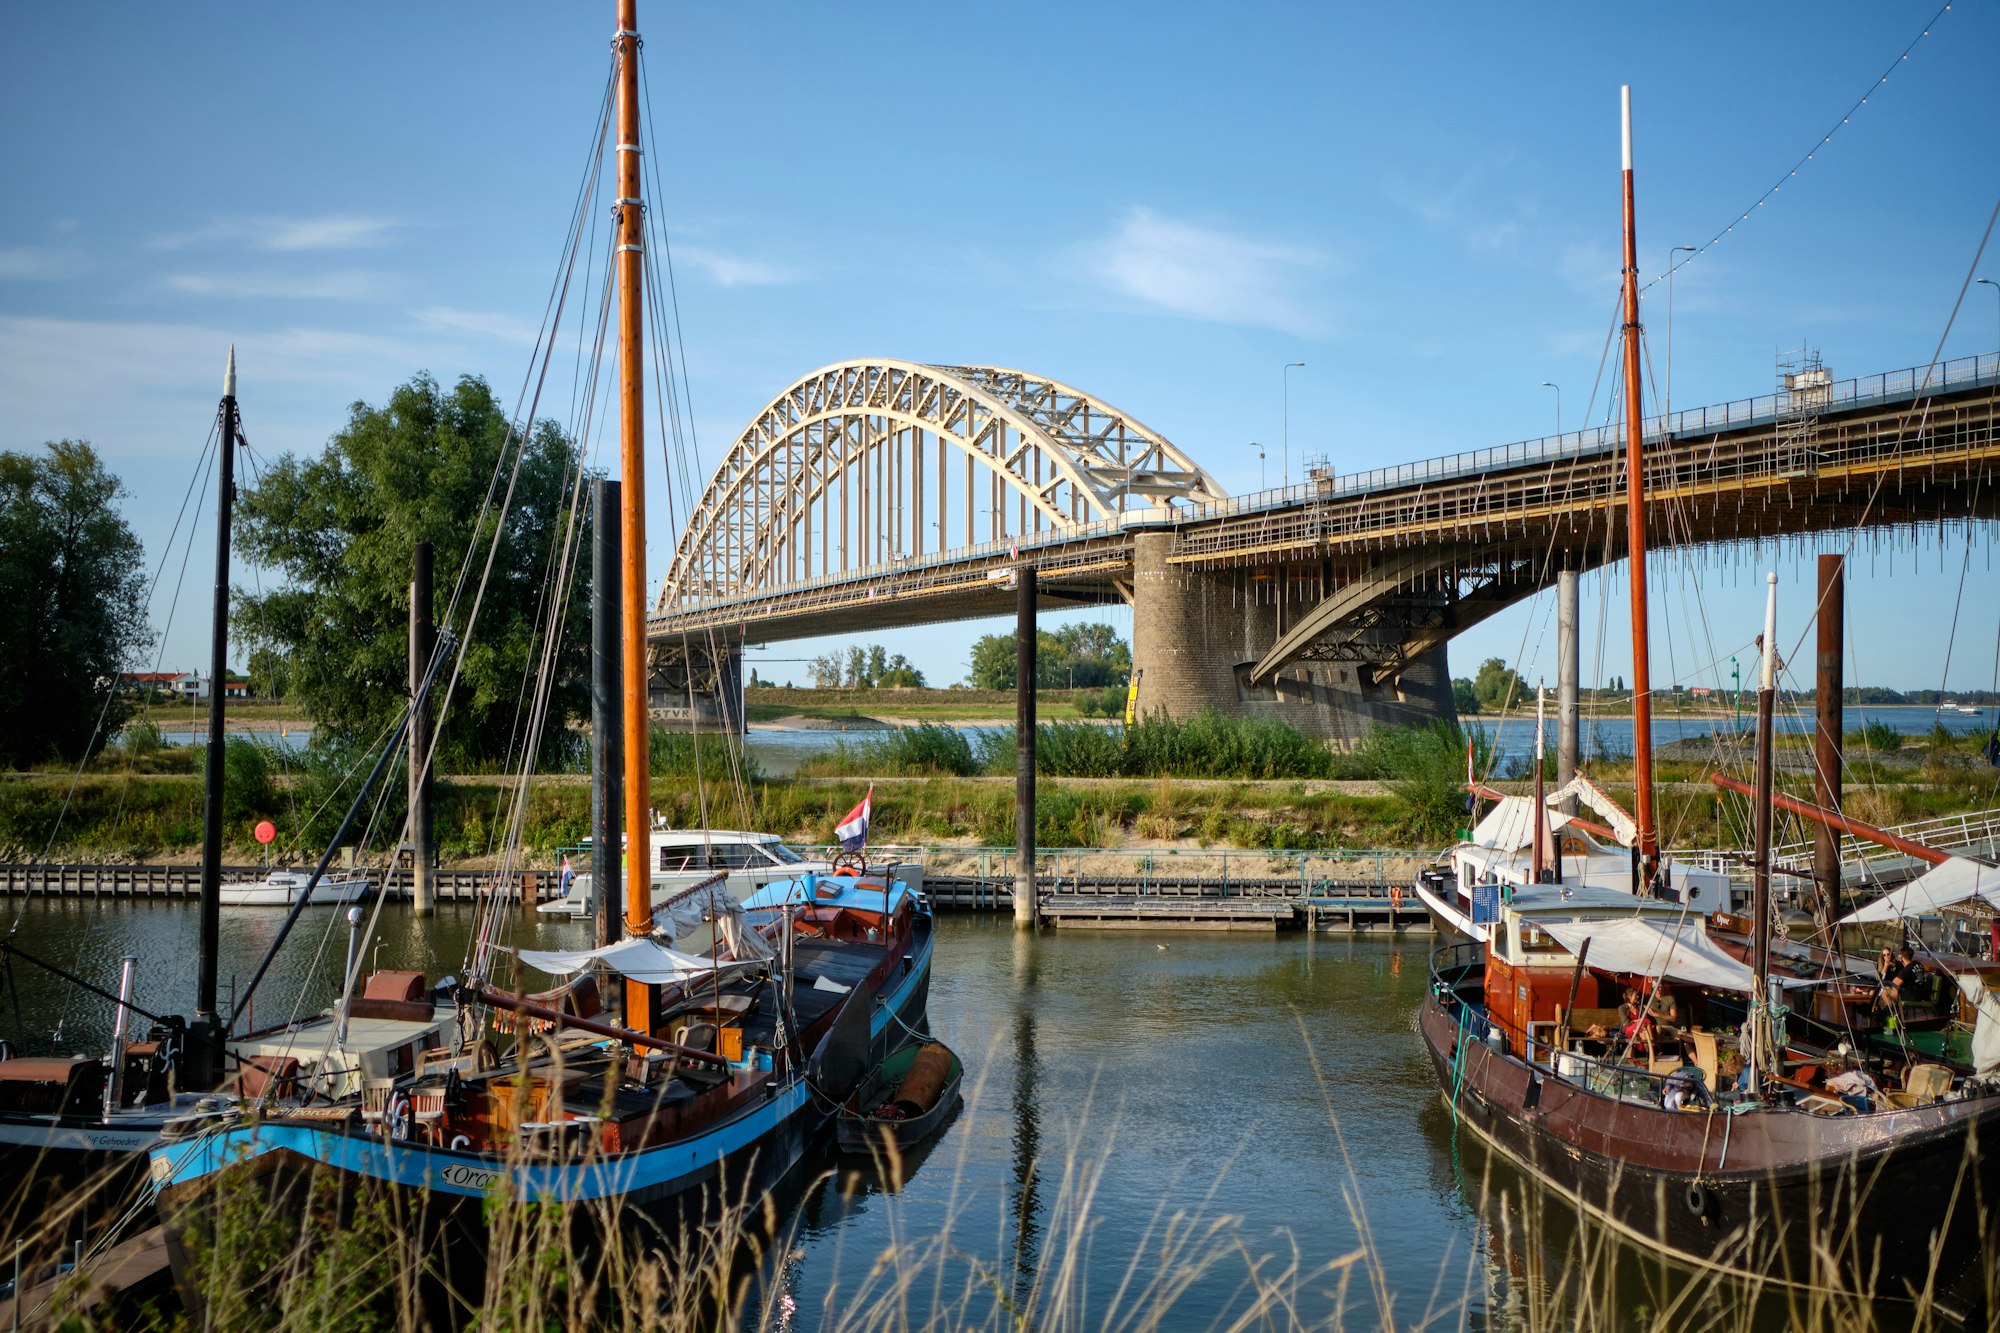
(177, 683)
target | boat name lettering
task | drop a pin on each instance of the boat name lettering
(470, 1176)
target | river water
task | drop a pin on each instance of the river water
(780, 751)
(1148, 1114)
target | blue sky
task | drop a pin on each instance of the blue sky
(1162, 204)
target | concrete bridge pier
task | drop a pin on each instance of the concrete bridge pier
(696, 683)
(1197, 634)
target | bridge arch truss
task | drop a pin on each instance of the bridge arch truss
(871, 464)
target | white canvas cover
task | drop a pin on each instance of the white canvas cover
(1954, 881)
(1652, 947)
(1596, 799)
(1510, 825)
(642, 960)
(1986, 1029)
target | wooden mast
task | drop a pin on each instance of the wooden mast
(631, 242)
(209, 1031)
(1635, 528)
(1760, 814)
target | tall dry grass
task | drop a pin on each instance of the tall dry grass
(316, 1253)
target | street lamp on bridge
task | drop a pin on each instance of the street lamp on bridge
(1551, 384)
(1260, 463)
(1286, 374)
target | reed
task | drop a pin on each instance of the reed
(309, 1254)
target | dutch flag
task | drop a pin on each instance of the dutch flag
(853, 830)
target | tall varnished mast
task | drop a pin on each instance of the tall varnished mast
(632, 470)
(1635, 528)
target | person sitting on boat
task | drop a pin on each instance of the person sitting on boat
(1851, 1083)
(1636, 1025)
(1732, 1072)
(1907, 982)
(1665, 1012)
(1684, 1089)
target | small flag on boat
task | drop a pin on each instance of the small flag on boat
(567, 874)
(853, 830)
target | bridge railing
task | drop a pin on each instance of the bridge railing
(918, 564)
(1890, 386)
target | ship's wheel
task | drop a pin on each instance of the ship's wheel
(848, 863)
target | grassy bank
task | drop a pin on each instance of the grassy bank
(1208, 782)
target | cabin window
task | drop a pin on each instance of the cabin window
(1535, 940)
(734, 856)
(402, 1060)
(782, 854)
(674, 859)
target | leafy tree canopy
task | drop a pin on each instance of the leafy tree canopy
(72, 602)
(868, 667)
(1497, 686)
(1080, 656)
(342, 528)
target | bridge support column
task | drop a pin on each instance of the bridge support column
(1027, 906)
(1197, 633)
(697, 683)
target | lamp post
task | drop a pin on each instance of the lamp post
(1988, 282)
(1551, 384)
(1286, 375)
(1260, 463)
(1667, 398)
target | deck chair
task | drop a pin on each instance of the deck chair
(376, 1094)
(1923, 1085)
(698, 1037)
(1705, 1057)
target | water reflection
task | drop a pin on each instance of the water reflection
(1027, 1206)
(1113, 1081)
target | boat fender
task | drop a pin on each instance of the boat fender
(459, 1141)
(1700, 1201)
(399, 1118)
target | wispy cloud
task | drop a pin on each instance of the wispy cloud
(341, 285)
(336, 231)
(1466, 206)
(1205, 273)
(36, 263)
(1590, 267)
(500, 328)
(733, 270)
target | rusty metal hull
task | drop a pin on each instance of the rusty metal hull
(1888, 1204)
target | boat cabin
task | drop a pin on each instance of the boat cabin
(390, 1025)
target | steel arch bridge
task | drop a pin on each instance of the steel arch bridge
(875, 464)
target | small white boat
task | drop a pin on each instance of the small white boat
(281, 888)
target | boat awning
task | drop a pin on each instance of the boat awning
(643, 960)
(1510, 825)
(1678, 950)
(1954, 881)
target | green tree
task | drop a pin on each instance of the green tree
(1496, 686)
(1463, 697)
(72, 602)
(992, 665)
(898, 674)
(342, 526)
